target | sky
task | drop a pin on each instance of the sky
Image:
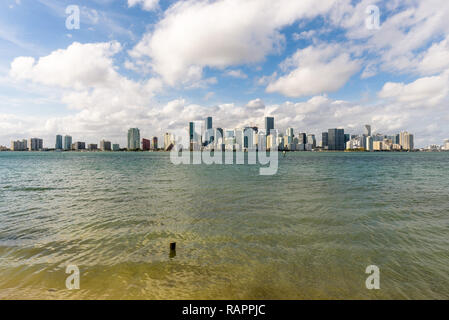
(158, 64)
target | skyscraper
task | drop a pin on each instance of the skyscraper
(311, 140)
(58, 144)
(302, 138)
(146, 144)
(269, 125)
(208, 123)
(169, 141)
(35, 144)
(336, 139)
(248, 138)
(79, 145)
(133, 139)
(19, 145)
(208, 134)
(324, 140)
(219, 139)
(239, 139)
(67, 143)
(105, 145)
(191, 131)
(154, 144)
(367, 130)
(406, 140)
(369, 144)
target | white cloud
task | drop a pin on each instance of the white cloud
(435, 59)
(315, 70)
(147, 5)
(218, 34)
(236, 74)
(423, 92)
(78, 66)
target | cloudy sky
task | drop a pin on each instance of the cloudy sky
(157, 64)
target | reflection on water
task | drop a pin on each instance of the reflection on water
(308, 232)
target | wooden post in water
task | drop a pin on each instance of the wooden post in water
(172, 249)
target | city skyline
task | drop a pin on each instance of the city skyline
(202, 134)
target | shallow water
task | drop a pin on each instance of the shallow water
(308, 232)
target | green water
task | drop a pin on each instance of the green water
(308, 232)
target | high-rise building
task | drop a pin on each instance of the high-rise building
(133, 139)
(92, 147)
(79, 146)
(146, 144)
(208, 123)
(219, 139)
(58, 144)
(311, 140)
(369, 144)
(35, 144)
(302, 138)
(154, 143)
(115, 147)
(377, 145)
(169, 141)
(208, 131)
(67, 143)
(367, 130)
(336, 139)
(191, 131)
(272, 140)
(269, 125)
(229, 138)
(248, 138)
(406, 140)
(105, 145)
(239, 138)
(261, 141)
(19, 145)
(324, 140)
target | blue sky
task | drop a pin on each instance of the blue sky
(159, 64)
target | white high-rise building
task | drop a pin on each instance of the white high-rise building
(272, 140)
(311, 140)
(446, 145)
(262, 141)
(239, 139)
(169, 141)
(19, 145)
(369, 144)
(406, 140)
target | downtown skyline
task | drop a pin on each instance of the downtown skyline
(202, 134)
